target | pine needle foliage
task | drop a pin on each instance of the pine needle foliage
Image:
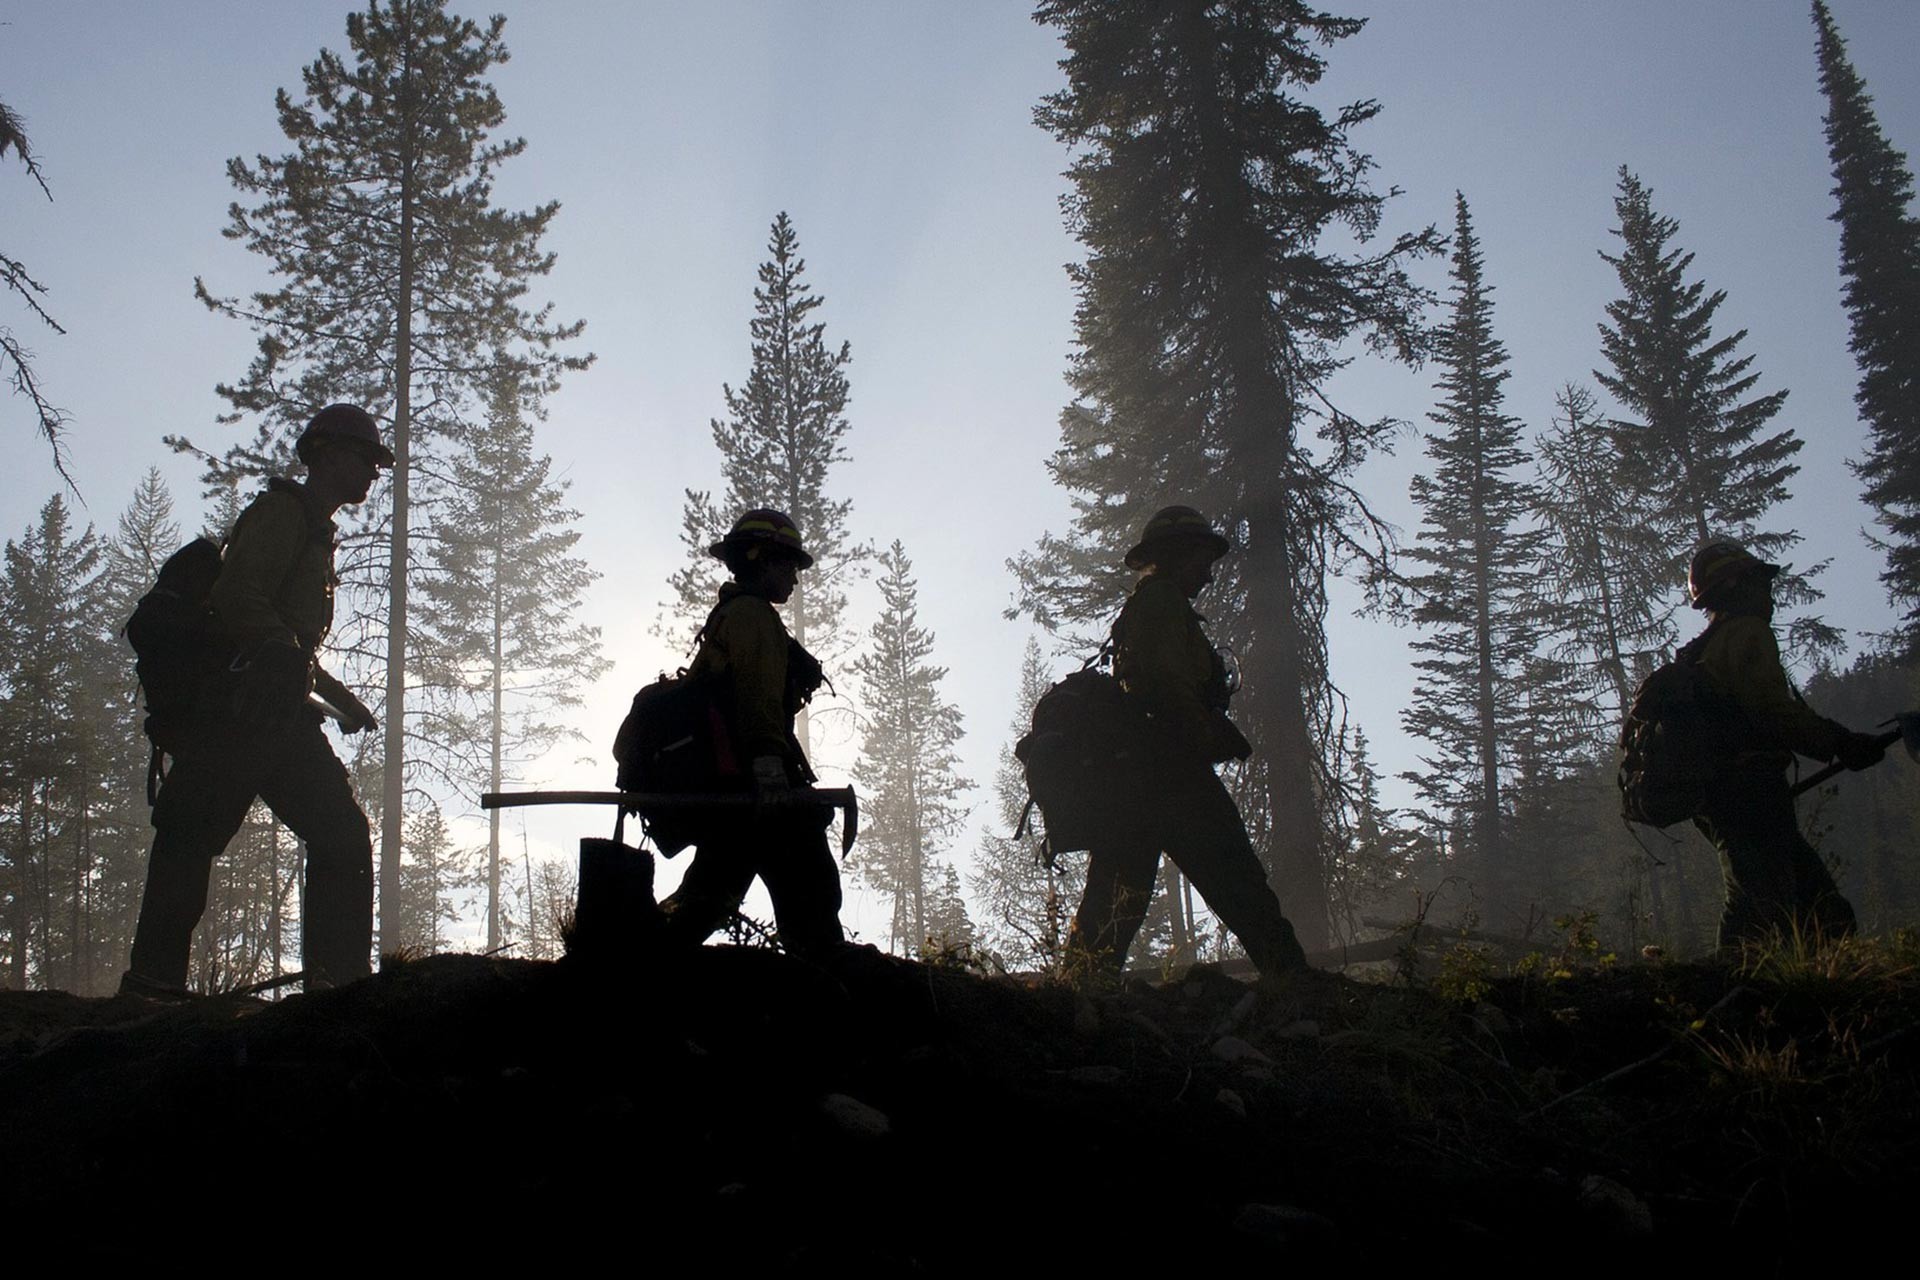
(1880, 261)
(784, 432)
(1698, 440)
(1478, 556)
(908, 770)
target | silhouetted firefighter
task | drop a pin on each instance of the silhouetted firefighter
(758, 678)
(1711, 735)
(247, 726)
(1179, 685)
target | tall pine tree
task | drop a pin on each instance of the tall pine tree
(500, 610)
(1697, 442)
(400, 284)
(1880, 259)
(784, 432)
(1478, 559)
(907, 764)
(1212, 312)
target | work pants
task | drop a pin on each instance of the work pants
(786, 848)
(1184, 811)
(221, 767)
(1775, 880)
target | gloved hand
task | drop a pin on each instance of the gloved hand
(359, 718)
(273, 685)
(770, 778)
(1860, 751)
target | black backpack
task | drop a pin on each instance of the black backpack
(168, 632)
(1083, 758)
(675, 740)
(1678, 731)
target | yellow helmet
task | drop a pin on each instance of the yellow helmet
(764, 528)
(1718, 562)
(1173, 526)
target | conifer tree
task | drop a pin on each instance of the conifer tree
(1026, 903)
(432, 875)
(499, 611)
(400, 285)
(783, 434)
(1880, 259)
(47, 595)
(1697, 443)
(1604, 584)
(1211, 314)
(907, 767)
(1478, 558)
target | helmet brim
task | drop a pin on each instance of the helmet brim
(1148, 551)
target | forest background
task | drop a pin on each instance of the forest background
(899, 139)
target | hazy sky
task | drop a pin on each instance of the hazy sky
(898, 137)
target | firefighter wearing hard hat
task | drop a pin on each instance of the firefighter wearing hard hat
(762, 678)
(254, 733)
(1775, 880)
(1179, 682)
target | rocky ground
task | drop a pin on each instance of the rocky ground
(742, 1110)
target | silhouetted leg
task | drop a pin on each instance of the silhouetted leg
(1119, 886)
(200, 807)
(1207, 840)
(797, 865)
(1774, 878)
(308, 789)
(715, 884)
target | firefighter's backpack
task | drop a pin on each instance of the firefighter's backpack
(168, 632)
(675, 741)
(1678, 730)
(1083, 759)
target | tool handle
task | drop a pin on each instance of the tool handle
(1886, 739)
(837, 797)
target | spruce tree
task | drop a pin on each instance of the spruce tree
(47, 595)
(1026, 903)
(1478, 560)
(783, 434)
(499, 611)
(908, 771)
(1697, 442)
(1213, 309)
(400, 285)
(1604, 576)
(1880, 259)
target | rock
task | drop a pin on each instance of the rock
(854, 1117)
(1232, 1102)
(1613, 1206)
(1237, 1016)
(1234, 1049)
(1305, 1029)
(1283, 1226)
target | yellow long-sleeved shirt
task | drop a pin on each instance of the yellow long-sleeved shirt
(1742, 657)
(1162, 657)
(276, 578)
(744, 650)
